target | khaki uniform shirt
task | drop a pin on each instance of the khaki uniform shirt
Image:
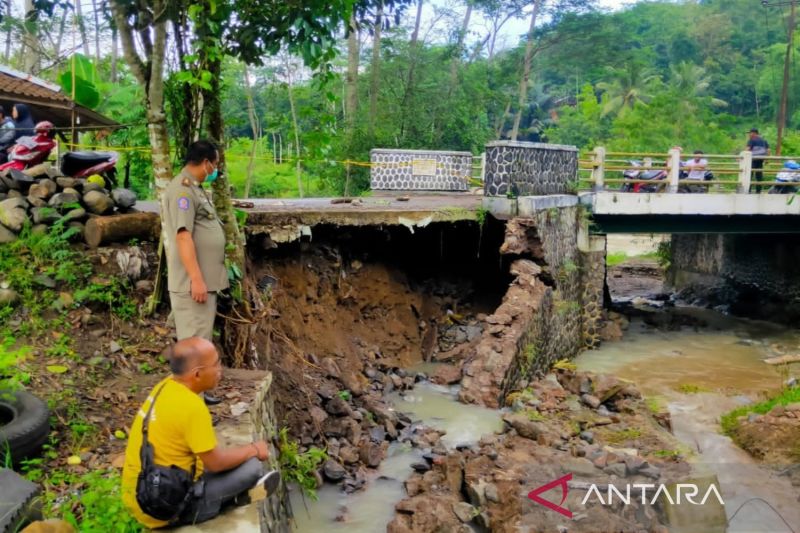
(186, 205)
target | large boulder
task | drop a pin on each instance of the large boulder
(89, 186)
(98, 202)
(6, 235)
(124, 198)
(67, 183)
(62, 199)
(45, 215)
(43, 190)
(13, 214)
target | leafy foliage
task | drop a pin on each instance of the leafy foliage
(300, 467)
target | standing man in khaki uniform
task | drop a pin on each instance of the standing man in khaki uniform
(195, 244)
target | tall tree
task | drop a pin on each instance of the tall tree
(628, 86)
(375, 70)
(526, 70)
(351, 79)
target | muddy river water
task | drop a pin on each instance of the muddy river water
(698, 373)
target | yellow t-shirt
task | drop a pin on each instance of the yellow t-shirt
(180, 429)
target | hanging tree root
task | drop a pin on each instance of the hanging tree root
(240, 327)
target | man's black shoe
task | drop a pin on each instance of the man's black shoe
(211, 400)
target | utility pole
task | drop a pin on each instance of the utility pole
(786, 67)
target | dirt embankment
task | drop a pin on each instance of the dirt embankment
(350, 314)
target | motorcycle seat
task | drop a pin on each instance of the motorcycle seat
(72, 162)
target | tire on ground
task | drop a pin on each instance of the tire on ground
(24, 425)
(19, 501)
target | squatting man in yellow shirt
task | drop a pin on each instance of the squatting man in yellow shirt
(181, 433)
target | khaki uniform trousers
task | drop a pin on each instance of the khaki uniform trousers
(191, 318)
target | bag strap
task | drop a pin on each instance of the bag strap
(146, 451)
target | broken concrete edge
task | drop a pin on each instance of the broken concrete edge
(275, 513)
(284, 228)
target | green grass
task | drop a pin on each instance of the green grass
(729, 421)
(618, 437)
(269, 180)
(616, 258)
(691, 388)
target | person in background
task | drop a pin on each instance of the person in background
(7, 134)
(23, 121)
(696, 166)
(759, 148)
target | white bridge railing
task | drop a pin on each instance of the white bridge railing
(600, 170)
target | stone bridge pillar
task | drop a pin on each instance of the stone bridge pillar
(530, 169)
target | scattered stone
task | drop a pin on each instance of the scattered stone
(349, 455)
(338, 407)
(145, 286)
(13, 213)
(124, 198)
(44, 281)
(499, 318)
(617, 469)
(421, 467)
(6, 235)
(8, 296)
(67, 183)
(603, 411)
(587, 436)
(333, 470)
(59, 200)
(476, 493)
(490, 490)
(98, 202)
(579, 466)
(371, 455)
(45, 215)
(377, 434)
(591, 401)
(524, 426)
(114, 347)
(89, 187)
(464, 511)
(75, 214)
(446, 375)
(36, 202)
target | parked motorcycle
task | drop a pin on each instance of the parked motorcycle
(639, 172)
(30, 151)
(790, 173)
(85, 164)
(692, 188)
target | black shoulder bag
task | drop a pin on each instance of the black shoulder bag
(161, 491)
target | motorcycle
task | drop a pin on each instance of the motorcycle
(85, 164)
(640, 172)
(790, 173)
(30, 151)
(685, 188)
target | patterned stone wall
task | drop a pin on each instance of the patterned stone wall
(752, 275)
(529, 169)
(419, 170)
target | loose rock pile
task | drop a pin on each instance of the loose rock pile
(44, 200)
(565, 423)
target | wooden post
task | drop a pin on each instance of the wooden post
(599, 168)
(674, 169)
(483, 167)
(745, 171)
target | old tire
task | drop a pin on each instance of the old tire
(24, 424)
(19, 501)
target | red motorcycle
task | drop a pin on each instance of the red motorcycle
(30, 151)
(85, 164)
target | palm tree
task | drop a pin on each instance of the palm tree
(692, 81)
(626, 87)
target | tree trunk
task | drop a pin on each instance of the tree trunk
(296, 128)
(30, 39)
(526, 71)
(251, 114)
(376, 65)
(351, 81)
(498, 128)
(82, 27)
(96, 14)
(118, 228)
(114, 51)
(459, 49)
(8, 33)
(412, 63)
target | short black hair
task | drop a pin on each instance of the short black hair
(177, 364)
(698, 152)
(754, 130)
(199, 151)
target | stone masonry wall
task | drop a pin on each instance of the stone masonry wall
(419, 170)
(550, 311)
(529, 169)
(752, 275)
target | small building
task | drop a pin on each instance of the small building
(47, 102)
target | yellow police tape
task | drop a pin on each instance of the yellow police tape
(346, 162)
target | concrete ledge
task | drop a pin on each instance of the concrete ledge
(541, 146)
(528, 205)
(499, 207)
(618, 203)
